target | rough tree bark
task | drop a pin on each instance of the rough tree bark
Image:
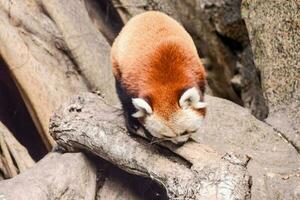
(87, 123)
(60, 53)
(88, 47)
(14, 158)
(28, 34)
(57, 176)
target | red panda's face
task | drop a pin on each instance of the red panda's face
(179, 125)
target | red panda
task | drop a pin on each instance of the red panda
(159, 76)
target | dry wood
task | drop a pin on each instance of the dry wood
(7, 159)
(66, 176)
(3, 171)
(271, 25)
(43, 73)
(130, 8)
(57, 176)
(19, 153)
(87, 45)
(193, 171)
(53, 51)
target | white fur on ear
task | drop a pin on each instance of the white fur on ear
(199, 105)
(138, 114)
(191, 96)
(142, 106)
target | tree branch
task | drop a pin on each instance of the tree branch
(192, 171)
(57, 176)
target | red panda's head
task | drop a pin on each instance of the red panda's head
(174, 119)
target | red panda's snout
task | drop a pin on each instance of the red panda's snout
(181, 125)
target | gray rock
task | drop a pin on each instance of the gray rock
(231, 128)
(275, 37)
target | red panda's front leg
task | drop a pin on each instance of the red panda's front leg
(132, 124)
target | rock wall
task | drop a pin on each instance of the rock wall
(274, 30)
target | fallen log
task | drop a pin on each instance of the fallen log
(57, 176)
(192, 171)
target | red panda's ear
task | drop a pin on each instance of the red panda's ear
(142, 107)
(191, 97)
(200, 105)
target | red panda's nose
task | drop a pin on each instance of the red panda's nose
(184, 133)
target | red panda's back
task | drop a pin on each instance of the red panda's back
(142, 34)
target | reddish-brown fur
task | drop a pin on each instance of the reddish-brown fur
(154, 58)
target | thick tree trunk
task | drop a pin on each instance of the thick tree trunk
(53, 51)
(88, 47)
(44, 75)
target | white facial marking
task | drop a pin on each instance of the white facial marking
(199, 105)
(142, 107)
(157, 127)
(180, 139)
(138, 114)
(186, 120)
